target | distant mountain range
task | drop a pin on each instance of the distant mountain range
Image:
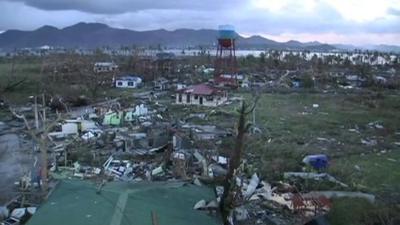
(93, 35)
(381, 48)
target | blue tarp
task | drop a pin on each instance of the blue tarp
(316, 161)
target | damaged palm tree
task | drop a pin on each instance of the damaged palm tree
(228, 197)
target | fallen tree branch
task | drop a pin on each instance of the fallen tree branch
(22, 117)
(10, 86)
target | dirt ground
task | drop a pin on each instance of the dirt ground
(15, 160)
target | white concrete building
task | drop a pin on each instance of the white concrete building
(128, 82)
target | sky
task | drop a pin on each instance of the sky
(357, 22)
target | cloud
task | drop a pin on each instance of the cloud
(320, 18)
(16, 15)
(123, 6)
(166, 19)
(393, 11)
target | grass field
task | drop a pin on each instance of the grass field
(297, 124)
(29, 72)
(294, 128)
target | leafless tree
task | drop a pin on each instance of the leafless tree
(40, 135)
(228, 197)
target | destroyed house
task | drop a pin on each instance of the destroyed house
(77, 202)
(103, 67)
(226, 81)
(354, 80)
(201, 94)
(161, 84)
(205, 132)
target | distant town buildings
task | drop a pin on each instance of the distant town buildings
(165, 59)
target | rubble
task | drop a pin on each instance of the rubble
(200, 204)
(141, 140)
(4, 212)
(369, 142)
(376, 125)
(251, 187)
(157, 171)
(133, 144)
(197, 182)
(241, 214)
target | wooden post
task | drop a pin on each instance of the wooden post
(44, 109)
(36, 113)
(43, 150)
(65, 156)
(154, 218)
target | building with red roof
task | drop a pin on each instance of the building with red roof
(201, 94)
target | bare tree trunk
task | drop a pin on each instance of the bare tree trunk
(227, 199)
(43, 150)
(229, 195)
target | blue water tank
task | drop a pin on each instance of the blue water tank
(226, 32)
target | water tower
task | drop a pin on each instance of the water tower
(225, 62)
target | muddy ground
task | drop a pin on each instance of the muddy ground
(15, 160)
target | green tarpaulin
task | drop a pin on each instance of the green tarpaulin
(76, 202)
